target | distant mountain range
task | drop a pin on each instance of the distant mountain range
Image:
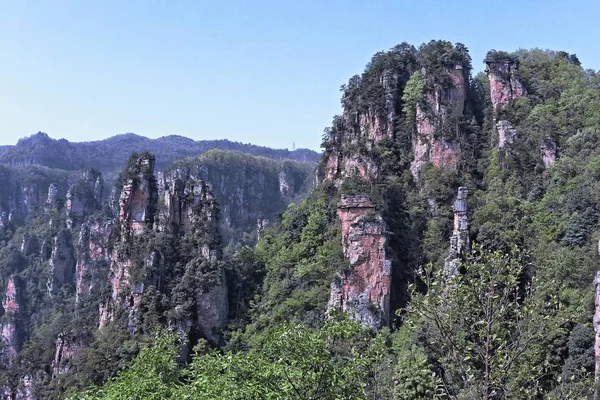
(113, 152)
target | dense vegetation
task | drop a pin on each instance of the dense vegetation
(515, 323)
(110, 154)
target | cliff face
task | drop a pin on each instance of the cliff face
(93, 254)
(62, 262)
(460, 241)
(429, 142)
(137, 210)
(190, 210)
(505, 82)
(505, 86)
(13, 325)
(188, 213)
(364, 290)
(85, 197)
(67, 347)
(366, 126)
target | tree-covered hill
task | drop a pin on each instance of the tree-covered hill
(109, 154)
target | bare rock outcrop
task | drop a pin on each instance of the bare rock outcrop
(505, 86)
(67, 348)
(62, 262)
(596, 322)
(364, 289)
(460, 241)
(84, 197)
(13, 324)
(93, 254)
(366, 126)
(429, 142)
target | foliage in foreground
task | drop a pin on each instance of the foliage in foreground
(484, 334)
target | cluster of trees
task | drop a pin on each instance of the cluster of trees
(487, 334)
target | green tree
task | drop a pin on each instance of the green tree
(483, 326)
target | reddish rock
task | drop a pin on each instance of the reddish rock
(67, 347)
(13, 325)
(364, 290)
(92, 250)
(429, 144)
(364, 129)
(596, 322)
(505, 82)
(548, 152)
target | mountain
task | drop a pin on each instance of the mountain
(448, 250)
(109, 154)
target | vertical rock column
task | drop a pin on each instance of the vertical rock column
(459, 242)
(429, 144)
(364, 290)
(505, 86)
(597, 330)
(137, 211)
(13, 326)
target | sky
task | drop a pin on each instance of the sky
(256, 71)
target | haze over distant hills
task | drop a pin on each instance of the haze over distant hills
(104, 154)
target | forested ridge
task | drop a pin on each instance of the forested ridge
(448, 251)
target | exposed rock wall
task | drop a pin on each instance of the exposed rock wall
(84, 197)
(62, 262)
(13, 325)
(548, 152)
(67, 348)
(137, 211)
(429, 143)
(596, 322)
(365, 127)
(364, 289)
(92, 252)
(460, 241)
(190, 209)
(505, 86)
(505, 82)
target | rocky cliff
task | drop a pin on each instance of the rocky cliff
(459, 242)
(364, 289)
(13, 323)
(432, 141)
(505, 86)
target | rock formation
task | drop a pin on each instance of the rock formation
(190, 210)
(13, 326)
(459, 242)
(67, 347)
(429, 143)
(93, 253)
(596, 322)
(505, 82)
(366, 127)
(137, 210)
(505, 86)
(62, 262)
(364, 289)
(548, 152)
(84, 197)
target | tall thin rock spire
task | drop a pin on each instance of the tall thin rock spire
(459, 241)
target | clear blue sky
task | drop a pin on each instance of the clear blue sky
(265, 72)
